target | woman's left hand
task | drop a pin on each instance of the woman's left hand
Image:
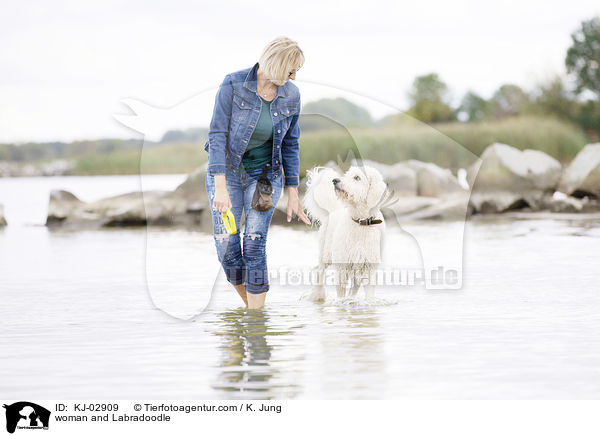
(294, 206)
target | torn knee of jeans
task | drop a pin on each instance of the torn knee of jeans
(253, 236)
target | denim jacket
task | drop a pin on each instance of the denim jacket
(236, 112)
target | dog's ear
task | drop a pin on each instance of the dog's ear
(377, 190)
(387, 195)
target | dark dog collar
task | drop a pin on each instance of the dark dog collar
(367, 221)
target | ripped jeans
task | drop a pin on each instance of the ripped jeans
(250, 265)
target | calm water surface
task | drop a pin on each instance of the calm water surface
(84, 316)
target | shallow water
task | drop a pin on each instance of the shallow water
(79, 319)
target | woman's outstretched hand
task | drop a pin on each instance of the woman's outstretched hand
(294, 206)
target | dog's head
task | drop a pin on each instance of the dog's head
(361, 187)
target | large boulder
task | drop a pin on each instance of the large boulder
(451, 207)
(433, 181)
(507, 178)
(402, 179)
(399, 177)
(582, 177)
(184, 206)
(2, 219)
(61, 205)
(193, 189)
(403, 206)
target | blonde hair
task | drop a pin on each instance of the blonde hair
(279, 57)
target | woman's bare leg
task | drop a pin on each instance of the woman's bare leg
(242, 291)
(256, 301)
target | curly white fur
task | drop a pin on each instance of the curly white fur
(353, 249)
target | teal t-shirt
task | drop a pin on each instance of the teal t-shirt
(260, 147)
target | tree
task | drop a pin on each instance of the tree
(509, 100)
(476, 108)
(583, 57)
(553, 98)
(588, 117)
(338, 109)
(428, 97)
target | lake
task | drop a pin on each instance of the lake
(84, 317)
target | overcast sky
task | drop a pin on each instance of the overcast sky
(65, 65)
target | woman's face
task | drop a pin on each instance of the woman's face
(291, 75)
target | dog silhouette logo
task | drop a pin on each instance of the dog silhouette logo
(26, 415)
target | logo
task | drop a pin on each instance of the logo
(26, 415)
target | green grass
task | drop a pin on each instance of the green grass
(164, 159)
(450, 145)
(559, 139)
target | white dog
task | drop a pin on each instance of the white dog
(351, 225)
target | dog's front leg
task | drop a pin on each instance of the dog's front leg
(370, 282)
(369, 291)
(342, 276)
(318, 293)
(356, 282)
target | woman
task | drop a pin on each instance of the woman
(254, 127)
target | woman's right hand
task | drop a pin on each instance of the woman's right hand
(221, 201)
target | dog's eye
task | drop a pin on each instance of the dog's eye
(356, 177)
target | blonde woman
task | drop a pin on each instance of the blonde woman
(254, 131)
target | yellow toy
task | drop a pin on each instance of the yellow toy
(229, 221)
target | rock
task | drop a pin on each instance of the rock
(57, 167)
(500, 201)
(408, 205)
(402, 180)
(582, 177)
(2, 219)
(414, 178)
(399, 177)
(61, 205)
(563, 204)
(154, 207)
(131, 209)
(193, 189)
(507, 179)
(453, 207)
(433, 181)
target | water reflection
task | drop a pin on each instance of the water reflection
(356, 349)
(245, 369)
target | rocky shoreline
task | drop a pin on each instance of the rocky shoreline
(57, 167)
(505, 181)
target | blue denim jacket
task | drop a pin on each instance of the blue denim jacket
(236, 112)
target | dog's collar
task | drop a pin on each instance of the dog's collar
(367, 221)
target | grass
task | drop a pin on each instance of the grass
(164, 159)
(450, 145)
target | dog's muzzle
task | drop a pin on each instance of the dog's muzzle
(336, 185)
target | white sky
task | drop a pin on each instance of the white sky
(65, 65)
